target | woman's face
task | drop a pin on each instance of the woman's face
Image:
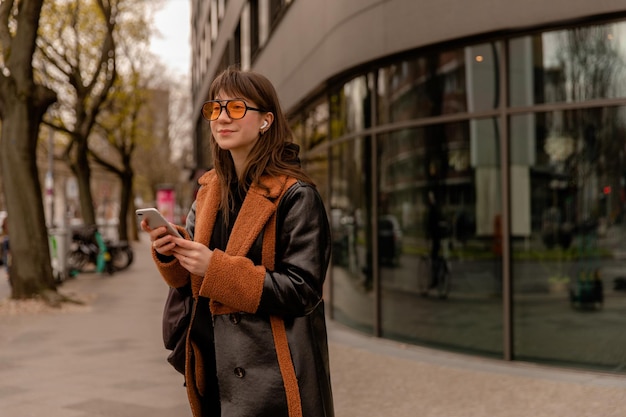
(237, 136)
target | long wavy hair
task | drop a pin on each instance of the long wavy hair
(273, 154)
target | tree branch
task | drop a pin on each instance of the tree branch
(58, 128)
(5, 36)
(23, 45)
(59, 60)
(107, 53)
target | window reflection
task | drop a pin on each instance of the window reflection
(297, 128)
(351, 107)
(310, 134)
(441, 83)
(439, 197)
(568, 65)
(316, 125)
(439, 252)
(570, 263)
(350, 210)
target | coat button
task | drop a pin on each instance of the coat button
(240, 372)
(235, 318)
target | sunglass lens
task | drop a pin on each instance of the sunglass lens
(214, 110)
(236, 109)
(211, 111)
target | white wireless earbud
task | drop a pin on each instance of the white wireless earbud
(264, 125)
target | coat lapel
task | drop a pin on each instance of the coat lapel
(207, 205)
(208, 202)
(256, 210)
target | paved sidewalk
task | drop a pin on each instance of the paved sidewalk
(106, 359)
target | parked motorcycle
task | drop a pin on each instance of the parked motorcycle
(88, 247)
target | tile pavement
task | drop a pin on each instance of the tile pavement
(106, 359)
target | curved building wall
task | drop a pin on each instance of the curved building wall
(474, 172)
(318, 39)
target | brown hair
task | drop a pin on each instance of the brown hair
(273, 154)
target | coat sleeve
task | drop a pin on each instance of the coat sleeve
(302, 255)
(295, 287)
(173, 273)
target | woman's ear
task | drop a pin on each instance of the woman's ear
(268, 119)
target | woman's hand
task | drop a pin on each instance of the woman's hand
(162, 242)
(193, 256)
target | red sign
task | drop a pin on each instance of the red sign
(165, 200)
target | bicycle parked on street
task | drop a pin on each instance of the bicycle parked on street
(89, 248)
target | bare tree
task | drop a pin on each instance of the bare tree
(23, 103)
(126, 122)
(77, 57)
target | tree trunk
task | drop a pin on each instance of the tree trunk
(125, 203)
(31, 270)
(83, 177)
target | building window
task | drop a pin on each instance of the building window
(277, 8)
(568, 220)
(571, 65)
(214, 19)
(316, 126)
(350, 208)
(351, 107)
(436, 84)
(435, 214)
(255, 37)
(245, 37)
(236, 45)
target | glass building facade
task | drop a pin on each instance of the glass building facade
(477, 191)
(518, 146)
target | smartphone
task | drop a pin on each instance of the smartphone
(155, 219)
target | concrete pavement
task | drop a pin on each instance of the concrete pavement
(105, 358)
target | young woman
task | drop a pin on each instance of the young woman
(255, 255)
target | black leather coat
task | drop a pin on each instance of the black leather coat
(269, 330)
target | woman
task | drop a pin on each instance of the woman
(255, 258)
